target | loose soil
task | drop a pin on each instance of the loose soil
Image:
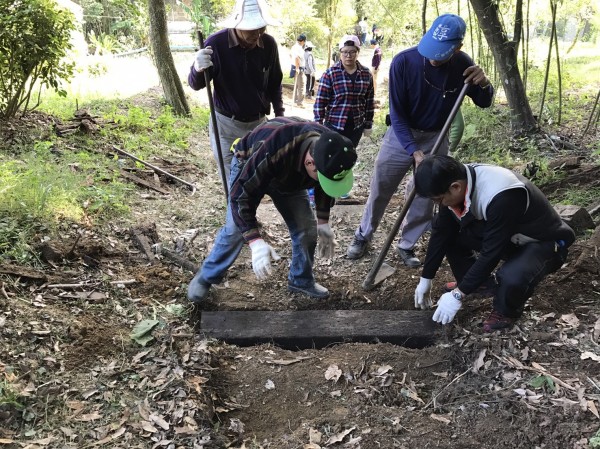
(79, 380)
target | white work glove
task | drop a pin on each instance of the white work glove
(326, 241)
(447, 307)
(262, 253)
(367, 132)
(423, 294)
(203, 59)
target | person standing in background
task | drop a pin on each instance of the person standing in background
(378, 34)
(310, 70)
(243, 62)
(364, 29)
(345, 96)
(375, 63)
(297, 53)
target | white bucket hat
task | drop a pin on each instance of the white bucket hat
(249, 15)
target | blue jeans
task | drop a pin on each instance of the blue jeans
(295, 209)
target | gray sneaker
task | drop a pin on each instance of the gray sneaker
(408, 257)
(357, 248)
(314, 291)
(198, 289)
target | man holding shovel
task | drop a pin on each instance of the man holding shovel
(243, 62)
(425, 82)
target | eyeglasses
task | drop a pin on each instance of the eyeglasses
(349, 53)
(443, 89)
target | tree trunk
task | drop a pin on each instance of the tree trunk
(163, 59)
(505, 55)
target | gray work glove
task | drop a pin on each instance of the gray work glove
(203, 59)
(326, 241)
(423, 294)
(262, 253)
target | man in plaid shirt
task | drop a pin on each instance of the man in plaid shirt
(281, 158)
(345, 99)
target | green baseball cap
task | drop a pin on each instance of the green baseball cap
(334, 157)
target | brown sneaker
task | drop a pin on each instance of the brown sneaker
(497, 321)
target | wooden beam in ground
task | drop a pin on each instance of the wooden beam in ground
(319, 328)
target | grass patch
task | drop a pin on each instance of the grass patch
(577, 197)
(70, 179)
(39, 191)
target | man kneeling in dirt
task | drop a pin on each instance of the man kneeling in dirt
(281, 158)
(501, 216)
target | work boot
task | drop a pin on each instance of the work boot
(357, 248)
(314, 291)
(408, 257)
(198, 289)
(497, 321)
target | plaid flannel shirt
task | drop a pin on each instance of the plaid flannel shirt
(338, 97)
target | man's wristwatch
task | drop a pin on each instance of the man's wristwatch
(458, 295)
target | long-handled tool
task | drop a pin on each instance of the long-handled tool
(295, 88)
(213, 117)
(376, 276)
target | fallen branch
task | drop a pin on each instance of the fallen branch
(143, 241)
(176, 258)
(72, 286)
(124, 282)
(142, 182)
(156, 169)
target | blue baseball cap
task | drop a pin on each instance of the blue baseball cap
(443, 38)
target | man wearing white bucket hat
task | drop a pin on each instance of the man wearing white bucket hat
(243, 62)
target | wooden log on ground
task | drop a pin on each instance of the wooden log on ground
(589, 259)
(319, 328)
(565, 163)
(142, 182)
(577, 217)
(23, 272)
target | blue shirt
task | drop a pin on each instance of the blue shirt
(422, 96)
(246, 81)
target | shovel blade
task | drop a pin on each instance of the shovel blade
(384, 272)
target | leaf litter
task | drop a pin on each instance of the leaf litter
(67, 354)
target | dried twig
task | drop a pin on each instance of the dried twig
(440, 392)
(3, 291)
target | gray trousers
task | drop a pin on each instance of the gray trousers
(299, 87)
(391, 165)
(229, 130)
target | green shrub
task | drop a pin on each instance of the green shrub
(34, 38)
